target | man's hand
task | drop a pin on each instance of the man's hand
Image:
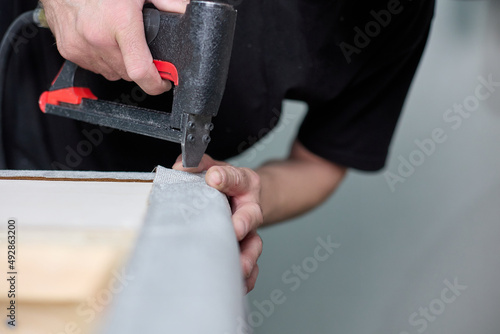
(242, 185)
(276, 191)
(107, 37)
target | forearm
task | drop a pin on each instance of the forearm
(296, 185)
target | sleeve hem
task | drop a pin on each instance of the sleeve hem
(360, 162)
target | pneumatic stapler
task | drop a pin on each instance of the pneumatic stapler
(192, 50)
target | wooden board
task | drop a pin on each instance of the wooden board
(72, 239)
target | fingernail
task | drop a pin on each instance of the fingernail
(243, 230)
(215, 177)
(250, 268)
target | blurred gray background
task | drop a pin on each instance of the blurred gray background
(422, 256)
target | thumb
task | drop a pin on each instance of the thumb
(173, 6)
(232, 181)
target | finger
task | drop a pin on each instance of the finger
(247, 217)
(137, 57)
(108, 73)
(250, 282)
(205, 163)
(250, 250)
(101, 50)
(232, 181)
(100, 68)
(96, 64)
(176, 6)
(85, 56)
(114, 60)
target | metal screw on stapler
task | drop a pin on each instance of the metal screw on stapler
(193, 51)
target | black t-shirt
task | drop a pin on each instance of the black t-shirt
(351, 61)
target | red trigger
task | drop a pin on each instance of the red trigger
(167, 71)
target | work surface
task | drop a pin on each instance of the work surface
(74, 231)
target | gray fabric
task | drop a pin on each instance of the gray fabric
(185, 266)
(50, 174)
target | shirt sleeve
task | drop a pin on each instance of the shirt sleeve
(355, 127)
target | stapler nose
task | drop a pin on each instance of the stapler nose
(191, 159)
(195, 139)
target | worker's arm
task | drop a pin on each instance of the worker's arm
(107, 37)
(272, 193)
(296, 185)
